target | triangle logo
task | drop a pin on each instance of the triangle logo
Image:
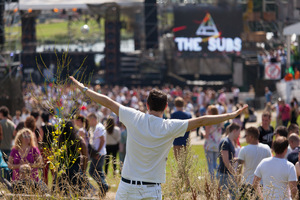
(207, 27)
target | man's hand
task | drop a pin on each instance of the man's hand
(240, 111)
(77, 83)
(99, 98)
(208, 120)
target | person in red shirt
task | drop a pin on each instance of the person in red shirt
(284, 112)
(288, 77)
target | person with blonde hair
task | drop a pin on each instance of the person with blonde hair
(24, 152)
(213, 136)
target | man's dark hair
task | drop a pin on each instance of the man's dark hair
(293, 128)
(110, 125)
(157, 100)
(30, 123)
(45, 116)
(4, 110)
(280, 144)
(35, 114)
(232, 127)
(20, 126)
(253, 131)
(282, 131)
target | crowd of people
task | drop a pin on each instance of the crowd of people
(104, 125)
(278, 55)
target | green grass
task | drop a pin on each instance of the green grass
(60, 32)
(51, 29)
(198, 153)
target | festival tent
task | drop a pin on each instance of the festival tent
(288, 32)
(65, 4)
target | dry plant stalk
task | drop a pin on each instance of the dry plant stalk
(57, 154)
(187, 181)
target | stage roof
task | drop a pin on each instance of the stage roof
(65, 4)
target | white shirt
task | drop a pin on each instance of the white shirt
(113, 138)
(229, 108)
(236, 92)
(275, 174)
(149, 140)
(99, 131)
(252, 155)
(201, 98)
(189, 108)
(220, 108)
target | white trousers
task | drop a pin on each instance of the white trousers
(128, 191)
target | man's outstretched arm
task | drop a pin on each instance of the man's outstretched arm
(213, 119)
(99, 98)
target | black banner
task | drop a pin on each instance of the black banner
(207, 29)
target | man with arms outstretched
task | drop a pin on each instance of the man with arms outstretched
(149, 140)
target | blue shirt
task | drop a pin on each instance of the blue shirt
(268, 96)
(226, 145)
(181, 141)
(3, 164)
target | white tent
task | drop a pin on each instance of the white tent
(288, 32)
(292, 29)
(65, 4)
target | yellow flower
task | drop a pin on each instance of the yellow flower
(71, 127)
(79, 148)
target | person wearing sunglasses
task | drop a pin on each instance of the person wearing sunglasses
(24, 152)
